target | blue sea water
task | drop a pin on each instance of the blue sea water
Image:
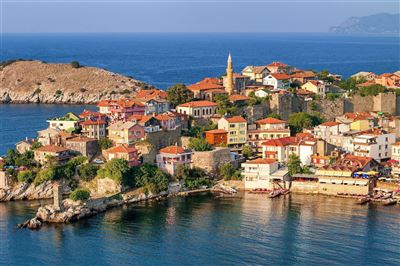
(250, 230)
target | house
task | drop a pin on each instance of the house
(363, 75)
(358, 121)
(125, 132)
(94, 128)
(105, 106)
(85, 146)
(155, 103)
(280, 149)
(24, 145)
(149, 122)
(217, 137)
(302, 76)
(168, 121)
(396, 151)
(262, 93)
(201, 88)
(43, 153)
(69, 122)
(388, 80)
(265, 129)
(198, 109)
(277, 80)
(121, 109)
(92, 115)
(48, 136)
(169, 158)
(238, 100)
(151, 94)
(279, 67)
(318, 87)
(327, 129)
(236, 127)
(255, 73)
(126, 152)
(263, 174)
(377, 145)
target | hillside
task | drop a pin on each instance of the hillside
(40, 82)
(382, 23)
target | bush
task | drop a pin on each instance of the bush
(105, 143)
(80, 194)
(59, 93)
(228, 172)
(126, 91)
(45, 175)
(192, 177)
(87, 171)
(37, 91)
(26, 176)
(151, 178)
(198, 144)
(117, 169)
(75, 64)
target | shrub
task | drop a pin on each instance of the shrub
(82, 89)
(105, 143)
(117, 169)
(37, 91)
(87, 171)
(151, 178)
(26, 176)
(75, 64)
(45, 175)
(198, 144)
(80, 194)
(59, 93)
(126, 91)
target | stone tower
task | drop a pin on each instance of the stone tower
(229, 76)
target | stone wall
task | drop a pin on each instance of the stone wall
(285, 104)
(210, 161)
(162, 139)
(384, 102)
(255, 112)
(329, 109)
(147, 152)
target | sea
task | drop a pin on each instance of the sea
(246, 230)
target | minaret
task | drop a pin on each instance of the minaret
(229, 76)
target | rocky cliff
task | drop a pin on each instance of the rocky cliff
(40, 82)
(27, 191)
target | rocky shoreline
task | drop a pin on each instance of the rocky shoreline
(27, 191)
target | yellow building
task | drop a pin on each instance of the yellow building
(125, 132)
(362, 125)
(237, 130)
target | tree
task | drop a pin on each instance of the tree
(179, 94)
(80, 194)
(247, 151)
(194, 177)
(254, 99)
(26, 176)
(274, 115)
(117, 169)
(225, 107)
(75, 64)
(105, 143)
(374, 90)
(36, 144)
(198, 144)
(294, 165)
(301, 120)
(227, 171)
(151, 178)
(87, 171)
(47, 174)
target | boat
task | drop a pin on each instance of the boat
(285, 192)
(362, 201)
(275, 194)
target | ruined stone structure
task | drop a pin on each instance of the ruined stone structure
(210, 161)
(108, 186)
(163, 138)
(3, 179)
(57, 196)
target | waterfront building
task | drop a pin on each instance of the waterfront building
(198, 109)
(85, 146)
(48, 136)
(255, 73)
(94, 128)
(377, 145)
(265, 129)
(126, 152)
(279, 67)
(69, 122)
(277, 80)
(24, 145)
(169, 158)
(263, 174)
(217, 137)
(236, 127)
(60, 154)
(125, 132)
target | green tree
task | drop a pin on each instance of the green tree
(47, 174)
(225, 107)
(301, 120)
(294, 165)
(105, 143)
(227, 171)
(247, 151)
(26, 176)
(36, 144)
(75, 64)
(117, 169)
(87, 171)
(151, 178)
(198, 144)
(374, 90)
(80, 194)
(178, 94)
(194, 177)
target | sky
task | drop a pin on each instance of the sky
(35, 16)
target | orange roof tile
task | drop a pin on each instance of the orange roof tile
(91, 122)
(122, 149)
(206, 84)
(262, 161)
(281, 142)
(330, 124)
(198, 104)
(280, 76)
(217, 131)
(236, 119)
(81, 139)
(151, 94)
(238, 97)
(277, 64)
(270, 120)
(172, 150)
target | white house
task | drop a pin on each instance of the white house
(277, 80)
(377, 146)
(263, 173)
(396, 151)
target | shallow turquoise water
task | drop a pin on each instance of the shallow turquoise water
(251, 230)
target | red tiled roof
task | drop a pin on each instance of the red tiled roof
(165, 117)
(304, 92)
(81, 139)
(122, 149)
(235, 119)
(280, 76)
(281, 142)
(151, 94)
(198, 104)
(172, 150)
(262, 161)
(330, 124)
(91, 122)
(238, 97)
(303, 74)
(217, 131)
(360, 161)
(270, 120)
(52, 148)
(206, 84)
(277, 64)
(105, 103)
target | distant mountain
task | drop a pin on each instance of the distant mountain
(383, 23)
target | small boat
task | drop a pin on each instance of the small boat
(362, 201)
(285, 192)
(274, 194)
(389, 202)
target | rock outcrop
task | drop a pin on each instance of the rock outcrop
(26, 191)
(40, 82)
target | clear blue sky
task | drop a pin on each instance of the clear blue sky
(184, 15)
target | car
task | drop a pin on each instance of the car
(98, 161)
